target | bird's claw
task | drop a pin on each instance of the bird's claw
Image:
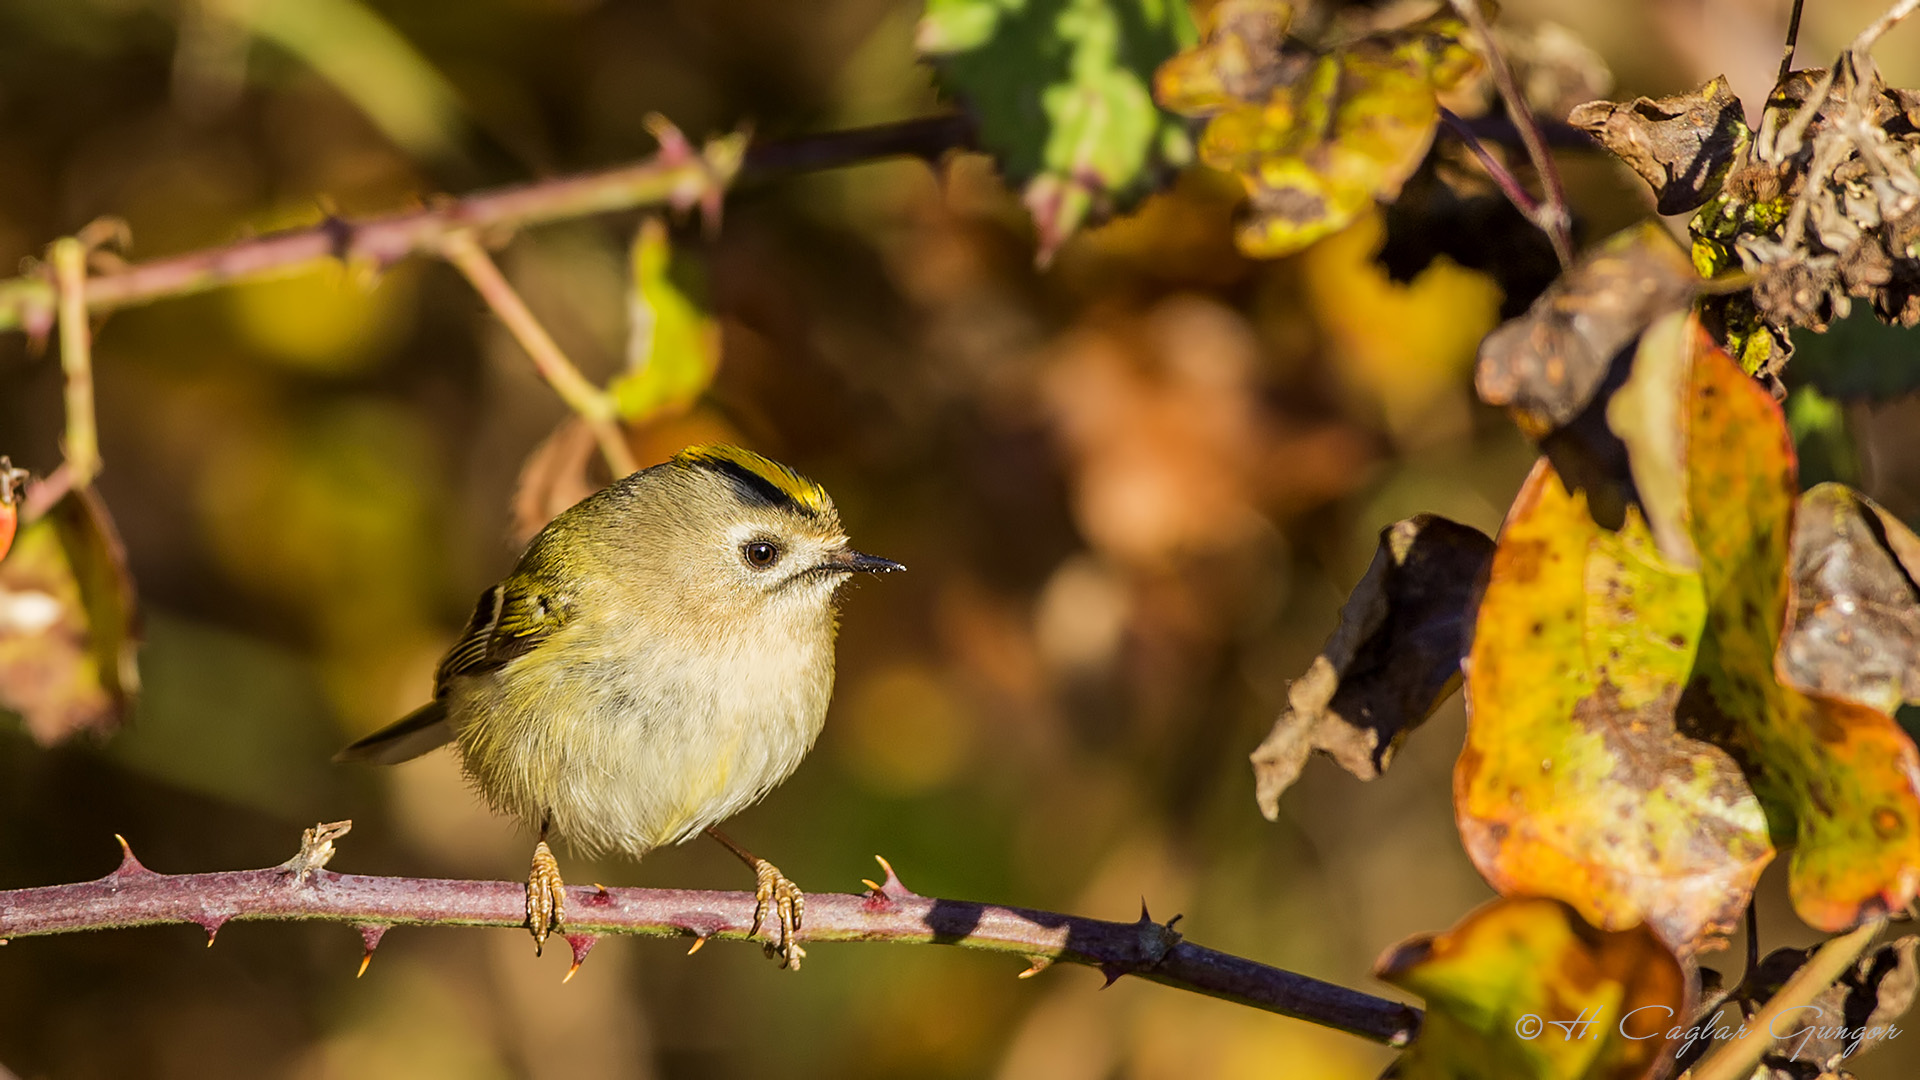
(774, 892)
(546, 896)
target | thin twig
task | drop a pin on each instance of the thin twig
(1735, 1060)
(1509, 184)
(589, 401)
(1552, 216)
(82, 450)
(677, 176)
(135, 896)
(1793, 37)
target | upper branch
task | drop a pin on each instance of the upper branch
(297, 890)
(677, 176)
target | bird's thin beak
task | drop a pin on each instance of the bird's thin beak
(859, 562)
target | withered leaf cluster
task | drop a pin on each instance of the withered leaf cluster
(1820, 205)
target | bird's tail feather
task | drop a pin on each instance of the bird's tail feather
(419, 731)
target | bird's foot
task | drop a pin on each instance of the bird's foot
(774, 893)
(546, 896)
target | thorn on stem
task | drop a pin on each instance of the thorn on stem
(1039, 964)
(582, 944)
(129, 865)
(365, 959)
(893, 888)
(1112, 972)
(698, 943)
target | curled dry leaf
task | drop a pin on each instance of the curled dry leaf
(68, 626)
(1575, 781)
(1315, 137)
(1546, 366)
(1845, 1020)
(565, 468)
(1682, 146)
(1524, 989)
(1853, 616)
(1392, 660)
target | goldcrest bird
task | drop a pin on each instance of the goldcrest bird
(659, 660)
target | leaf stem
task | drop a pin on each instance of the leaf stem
(1551, 216)
(82, 450)
(135, 896)
(1735, 1060)
(1509, 184)
(589, 401)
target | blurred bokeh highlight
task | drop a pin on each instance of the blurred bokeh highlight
(1132, 490)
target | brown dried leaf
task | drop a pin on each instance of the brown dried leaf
(1392, 660)
(1547, 365)
(68, 625)
(555, 476)
(1853, 616)
(1846, 1019)
(1682, 146)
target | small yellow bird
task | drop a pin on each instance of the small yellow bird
(659, 660)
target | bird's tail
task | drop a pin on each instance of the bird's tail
(410, 736)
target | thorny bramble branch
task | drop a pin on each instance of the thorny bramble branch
(300, 889)
(676, 176)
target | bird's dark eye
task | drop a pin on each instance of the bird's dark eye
(760, 554)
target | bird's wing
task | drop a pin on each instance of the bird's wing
(510, 619)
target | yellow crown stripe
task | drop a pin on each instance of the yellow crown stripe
(803, 492)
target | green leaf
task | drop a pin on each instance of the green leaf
(1523, 989)
(1059, 91)
(673, 348)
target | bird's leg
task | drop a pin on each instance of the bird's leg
(772, 890)
(546, 896)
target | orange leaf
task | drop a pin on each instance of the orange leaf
(1574, 781)
(1523, 989)
(1839, 779)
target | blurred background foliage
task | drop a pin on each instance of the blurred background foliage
(1132, 489)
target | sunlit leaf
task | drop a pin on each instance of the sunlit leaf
(1392, 660)
(68, 626)
(673, 349)
(1575, 782)
(1682, 146)
(1840, 780)
(1059, 91)
(1315, 138)
(1524, 989)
